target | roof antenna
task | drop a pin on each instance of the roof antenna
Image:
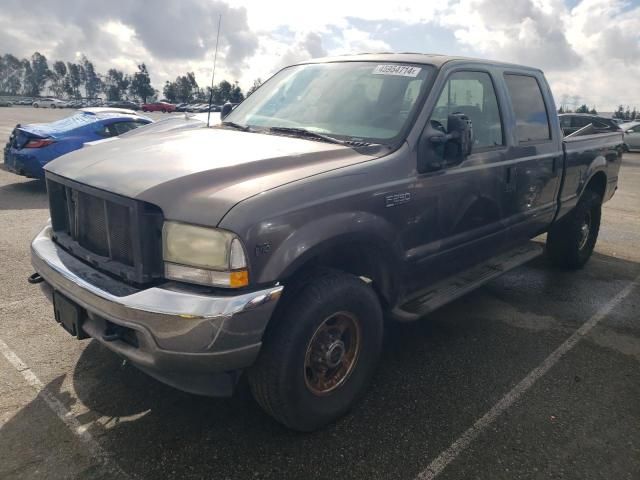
(213, 75)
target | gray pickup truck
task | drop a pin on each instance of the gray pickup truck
(343, 191)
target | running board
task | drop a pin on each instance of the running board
(447, 290)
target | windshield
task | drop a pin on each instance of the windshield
(352, 100)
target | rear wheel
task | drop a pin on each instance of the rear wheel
(164, 110)
(571, 241)
(319, 357)
(35, 105)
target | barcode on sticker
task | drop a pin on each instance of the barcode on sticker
(402, 70)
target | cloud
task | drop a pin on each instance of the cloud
(162, 30)
(524, 32)
(304, 47)
(590, 51)
(587, 48)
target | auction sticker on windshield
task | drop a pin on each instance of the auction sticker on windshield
(402, 70)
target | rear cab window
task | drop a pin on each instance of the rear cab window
(529, 108)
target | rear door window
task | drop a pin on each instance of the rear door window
(532, 119)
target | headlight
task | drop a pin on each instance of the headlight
(207, 256)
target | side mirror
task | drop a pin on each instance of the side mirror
(439, 148)
(226, 110)
(461, 130)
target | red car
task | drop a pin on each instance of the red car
(163, 107)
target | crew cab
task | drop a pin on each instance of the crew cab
(341, 190)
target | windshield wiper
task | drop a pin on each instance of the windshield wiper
(244, 128)
(302, 132)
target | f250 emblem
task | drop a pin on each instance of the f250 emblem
(397, 199)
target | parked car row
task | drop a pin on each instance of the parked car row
(161, 106)
(197, 107)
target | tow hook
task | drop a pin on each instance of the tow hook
(35, 278)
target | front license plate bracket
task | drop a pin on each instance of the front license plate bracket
(69, 315)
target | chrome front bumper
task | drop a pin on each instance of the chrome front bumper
(183, 335)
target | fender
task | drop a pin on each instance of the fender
(599, 164)
(580, 169)
(323, 234)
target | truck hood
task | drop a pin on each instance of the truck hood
(198, 175)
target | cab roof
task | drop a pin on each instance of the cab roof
(434, 59)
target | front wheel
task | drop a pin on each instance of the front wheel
(318, 358)
(571, 241)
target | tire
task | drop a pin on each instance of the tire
(285, 380)
(35, 105)
(53, 105)
(164, 110)
(571, 241)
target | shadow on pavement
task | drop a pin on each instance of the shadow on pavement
(23, 195)
(436, 378)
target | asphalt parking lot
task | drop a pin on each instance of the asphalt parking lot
(534, 376)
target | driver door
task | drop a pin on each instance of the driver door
(460, 212)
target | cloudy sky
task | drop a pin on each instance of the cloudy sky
(588, 48)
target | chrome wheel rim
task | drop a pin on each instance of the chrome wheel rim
(332, 353)
(585, 229)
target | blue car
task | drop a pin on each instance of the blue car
(31, 147)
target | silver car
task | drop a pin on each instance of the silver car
(631, 135)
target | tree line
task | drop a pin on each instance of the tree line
(581, 109)
(33, 76)
(623, 113)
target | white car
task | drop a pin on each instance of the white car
(48, 103)
(631, 135)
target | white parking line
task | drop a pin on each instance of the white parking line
(97, 452)
(436, 467)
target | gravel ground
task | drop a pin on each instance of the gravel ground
(579, 420)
